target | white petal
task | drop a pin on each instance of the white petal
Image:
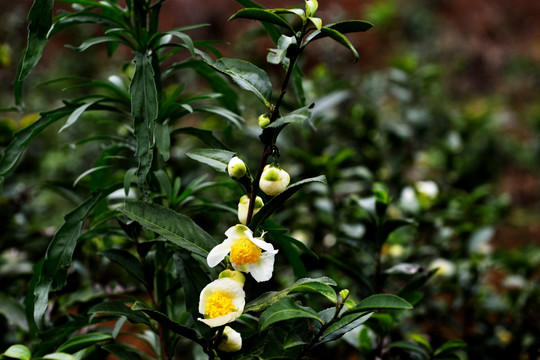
(218, 253)
(238, 231)
(262, 270)
(266, 246)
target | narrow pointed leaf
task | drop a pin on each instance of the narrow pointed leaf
(205, 136)
(72, 119)
(40, 21)
(144, 101)
(122, 352)
(128, 261)
(450, 346)
(285, 309)
(263, 15)
(343, 326)
(80, 342)
(176, 228)
(340, 38)
(277, 201)
(381, 302)
(118, 308)
(215, 158)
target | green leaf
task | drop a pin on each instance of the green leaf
(128, 261)
(235, 119)
(422, 341)
(263, 15)
(267, 299)
(144, 100)
(80, 342)
(145, 153)
(317, 288)
(215, 158)
(118, 308)
(60, 252)
(166, 322)
(285, 309)
(75, 115)
(340, 38)
(20, 352)
(450, 346)
(205, 136)
(176, 228)
(163, 141)
(122, 352)
(410, 347)
(13, 311)
(343, 326)
(316, 21)
(93, 41)
(40, 21)
(344, 27)
(381, 302)
(21, 139)
(277, 201)
(247, 76)
(59, 356)
(296, 116)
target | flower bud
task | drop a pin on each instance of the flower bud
(311, 7)
(344, 294)
(234, 275)
(264, 120)
(231, 340)
(273, 180)
(243, 207)
(236, 168)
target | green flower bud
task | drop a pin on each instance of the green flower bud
(264, 121)
(236, 168)
(231, 340)
(311, 7)
(344, 294)
(234, 275)
(243, 207)
(273, 180)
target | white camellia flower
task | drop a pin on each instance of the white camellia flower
(247, 253)
(273, 180)
(243, 207)
(236, 168)
(231, 340)
(223, 300)
(445, 268)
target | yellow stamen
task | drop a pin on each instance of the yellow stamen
(245, 252)
(218, 304)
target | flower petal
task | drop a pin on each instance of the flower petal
(218, 252)
(238, 231)
(262, 270)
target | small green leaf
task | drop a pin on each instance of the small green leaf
(205, 136)
(285, 309)
(215, 158)
(80, 342)
(20, 352)
(75, 115)
(263, 15)
(317, 22)
(450, 346)
(116, 307)
(93, 41)
(235, 119)
(59, 356)
(420, 339)
(382, 302)
(176, 228)
(163, 141)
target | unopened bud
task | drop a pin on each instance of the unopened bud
(344, 294)
(236, 168)
(243, 207)
(234, 275)
(231, 340)
(264, 120)
(273, 180)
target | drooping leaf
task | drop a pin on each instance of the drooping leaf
(247, 76)
(285, 309)
(235, 119)
(128, 261)
(205, 136)
(381, 302)
(343, 326)
(93, 41)
(75, 115)
(176, 228)
(40, 21)
(277, 201)
(60, 252)
(215, 158)
(80, 342)
(317, 288)
(271, 297)
(263, 15)
(118, 308)
(450, 346)
(340, 38)
(163, 141)
(166, 322)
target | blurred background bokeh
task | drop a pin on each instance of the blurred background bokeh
(443, 107)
